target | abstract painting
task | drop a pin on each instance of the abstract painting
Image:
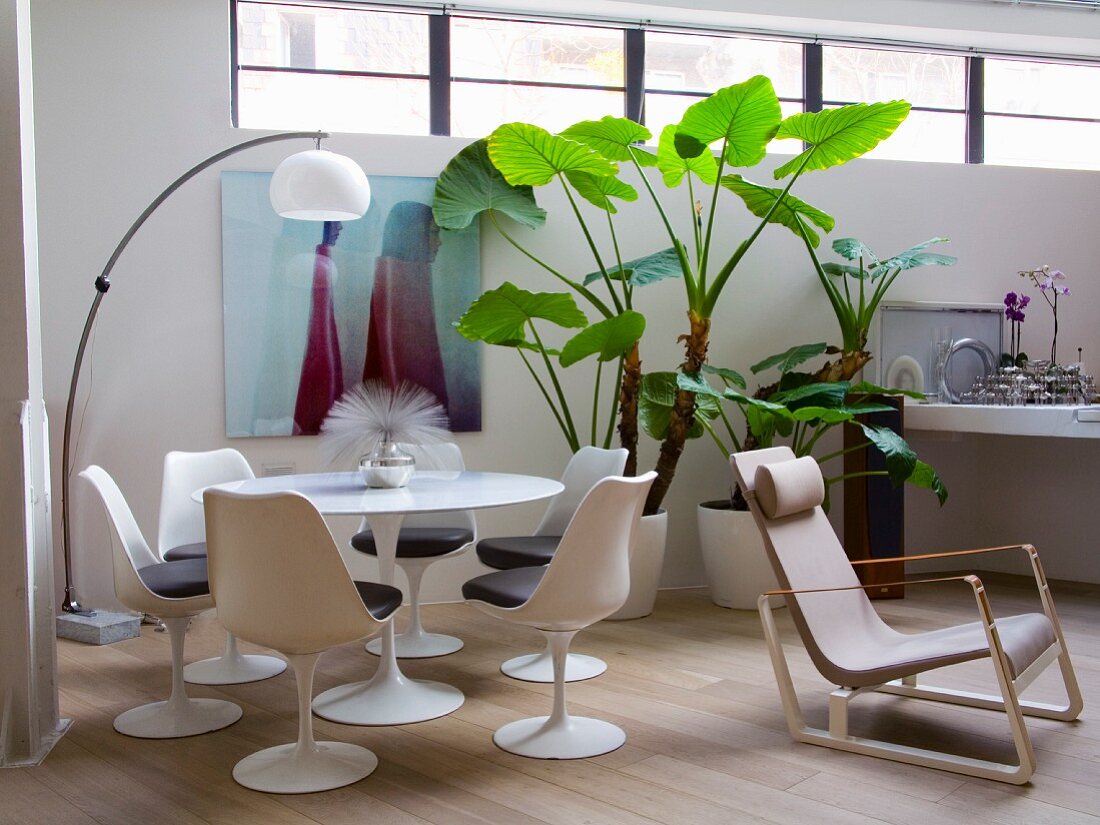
(312, 308)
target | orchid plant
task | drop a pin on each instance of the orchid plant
(1047, 280)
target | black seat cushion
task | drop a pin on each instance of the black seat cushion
(187, 551)
(176, 579)
(379, 599)
(505, 588)
(509, 552)
(418, 542)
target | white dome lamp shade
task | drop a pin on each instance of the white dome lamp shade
(319, 185)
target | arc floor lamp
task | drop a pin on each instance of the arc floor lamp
(314, 185)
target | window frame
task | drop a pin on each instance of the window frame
(634, 88)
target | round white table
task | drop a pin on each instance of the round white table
(389, 697)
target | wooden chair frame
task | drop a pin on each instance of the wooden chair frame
(837, 735)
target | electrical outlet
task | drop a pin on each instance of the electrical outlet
(285, 468)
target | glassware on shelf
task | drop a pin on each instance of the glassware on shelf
(1037, 383)
(940, 352)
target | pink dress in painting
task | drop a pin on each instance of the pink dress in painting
(402, 344)
(322, 378)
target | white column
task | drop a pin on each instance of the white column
(29, 723)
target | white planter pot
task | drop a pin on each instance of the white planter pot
(646, 559)
(737, 565)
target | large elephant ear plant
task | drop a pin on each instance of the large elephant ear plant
(703, 156)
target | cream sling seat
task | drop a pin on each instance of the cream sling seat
(853, 648)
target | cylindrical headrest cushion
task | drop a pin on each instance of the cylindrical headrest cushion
(789, 487)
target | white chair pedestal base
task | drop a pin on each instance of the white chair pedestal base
(410, 645)
(171, 720)
(305, 766)
(559, 735)
(389, 697)
(180, 715)
(415, 643)
(539, 667)
(233, 667)
(569, 737)
(291, 769)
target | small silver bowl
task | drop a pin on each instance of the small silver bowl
(387, 466)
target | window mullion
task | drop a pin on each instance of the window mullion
(975, 110)
(634, 73)
(812, 77)
(439, 74)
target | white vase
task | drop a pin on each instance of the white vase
(647, 556)
(736, 563)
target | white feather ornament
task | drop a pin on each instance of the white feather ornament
(373, 412)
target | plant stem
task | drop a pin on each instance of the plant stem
(819, 431)
(596, 399)
(696, 219)
(618, 261)
(710, 298)
(629, 390)
(729, 429)
(860, 474)
(580, 288)
(557, 386)
(614, 406)
(1054, 342)
(570, 439)
(710, 217)
(721, 445)
(591, 243)
(845, 451)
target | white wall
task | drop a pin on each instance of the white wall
(129, 99)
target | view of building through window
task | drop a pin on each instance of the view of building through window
(357, 69)
(543, 73)
(1033, 108)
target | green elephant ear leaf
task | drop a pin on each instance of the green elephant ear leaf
(787, 361)
(916, 256)
(656, 399)
(657, 266)
(838, 415)
(598, 190)
(726, 374)
(470, 185)
(836, 136)
(612, 137)
(925, 476)
(823, 394)
(791, 212)
(609, 339)
(501, 315)
(901, 461)
(867, 388)
(745, 116)
(673, 166)
(530, 156)
(853, 249)
(840, 270)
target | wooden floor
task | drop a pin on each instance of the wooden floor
(691, 685)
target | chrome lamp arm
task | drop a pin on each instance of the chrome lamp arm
(102, 284)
